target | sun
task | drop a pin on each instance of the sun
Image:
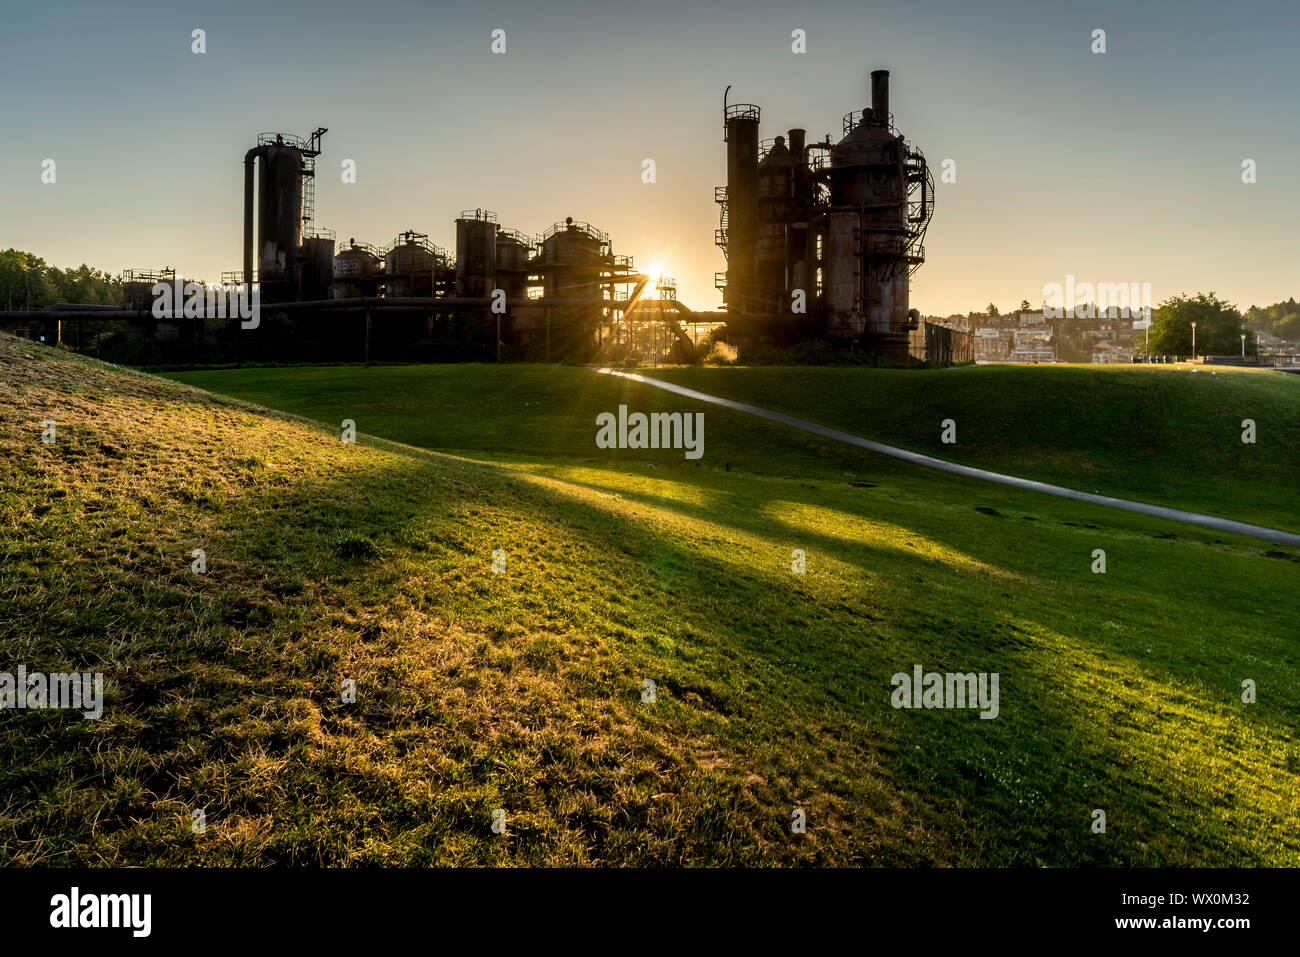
(656, 270)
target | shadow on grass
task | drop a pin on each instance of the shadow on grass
(774, 690)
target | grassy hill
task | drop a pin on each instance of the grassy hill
(1157, 434)
(1160, 434)
(523, 690)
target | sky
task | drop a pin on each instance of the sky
(1122, 166)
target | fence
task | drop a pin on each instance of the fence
(939, 344)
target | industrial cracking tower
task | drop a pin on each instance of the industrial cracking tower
(286, 256)
(843, 222)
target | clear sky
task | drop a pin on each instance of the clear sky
(1115, 167)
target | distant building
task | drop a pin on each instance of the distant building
(1032, 344)
(990, 345)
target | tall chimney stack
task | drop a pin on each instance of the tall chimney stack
(880, 96)
(796, 141)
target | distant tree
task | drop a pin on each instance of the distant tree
(992, 311)
(1025, 306)
(28, 282)
(1219, 326)
(1281, 319)
(25, 281)
(86, 285)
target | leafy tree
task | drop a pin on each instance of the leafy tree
(1281, 319)
(1219, 326)
(1025, 306)
(992, 311)
(25, 282)
(28, 282)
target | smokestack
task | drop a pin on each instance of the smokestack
(880, 95)
(742, 203)
(796, 144)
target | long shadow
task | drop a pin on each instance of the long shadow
(635, 538)
(745, 651)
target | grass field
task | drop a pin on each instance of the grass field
(1161, 434)
(522, 691)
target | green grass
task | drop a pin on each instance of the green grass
(1162, 434)
(522, 690)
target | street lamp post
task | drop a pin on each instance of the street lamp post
(1243, 345)
(1193, 340)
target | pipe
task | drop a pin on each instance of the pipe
(432, 303)
(799, 181)
(248, 220)
(105, 314)
(880, 95)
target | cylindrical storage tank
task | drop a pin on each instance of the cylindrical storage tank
(408, 267)
(355, 272)
(279, 225)
(137, 295)
(775, 190)
(476, 253)
(572, 254)
(317, 267)
(512, 263)
(511, 251)
(574, 257)
(842, 275)
(867, 170)
(800, 200)
(741, 121)
(523, 324)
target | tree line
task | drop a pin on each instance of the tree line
(1282, 319)
(29, 282)
(1219, 325)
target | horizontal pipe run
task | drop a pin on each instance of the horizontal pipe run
(76, 314)
(82, 307)
(430, 303)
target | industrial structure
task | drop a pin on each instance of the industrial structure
(564, 294)
(821, 238)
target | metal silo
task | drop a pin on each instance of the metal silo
(317, 265)
(524, 324)
(283, 163)
(409, 262)
(476, 253)
(801, 198)
(775, 208)
(573, 255)
(356, 271)
(740, 122)
(279, 218)
(512, 251)
(574, 261)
